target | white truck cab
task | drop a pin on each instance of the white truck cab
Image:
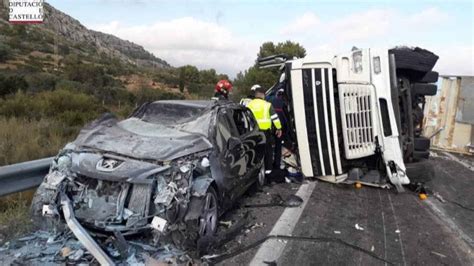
(345, 122)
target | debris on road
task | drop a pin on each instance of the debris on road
(226, 223)
(337, 232)
(277, 200)
(438, 254)
(358, 227)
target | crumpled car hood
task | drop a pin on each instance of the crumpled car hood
(138, 139)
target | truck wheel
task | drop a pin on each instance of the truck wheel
(421, 155)
(422, 144)
(424, 89)
(430, 77)
(416, 59)
(420, 172)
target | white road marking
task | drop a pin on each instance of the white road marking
(454, 158)
(449, 222)
(272, 249)
(399, 234)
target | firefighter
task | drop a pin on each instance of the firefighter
(222, 90)
(250, 97)
(265, 116)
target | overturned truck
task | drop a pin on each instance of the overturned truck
(356, 117)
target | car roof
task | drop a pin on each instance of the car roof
(198, 103)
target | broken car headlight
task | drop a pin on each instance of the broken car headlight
(63, 163)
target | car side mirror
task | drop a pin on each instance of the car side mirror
(233, 142)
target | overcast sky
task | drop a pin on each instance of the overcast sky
(225, 35)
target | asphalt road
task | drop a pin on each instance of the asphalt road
(396, 228)
(342, 225)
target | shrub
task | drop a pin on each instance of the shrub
(12, 84)
(5, 52)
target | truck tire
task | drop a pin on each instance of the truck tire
(416, 59)
(424, 89)
(417, 155)
(422, 144)
(420, 172)
(430, 77)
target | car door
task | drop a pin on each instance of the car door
(252, 142)
(231, 153)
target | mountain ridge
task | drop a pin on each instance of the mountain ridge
(60, 23)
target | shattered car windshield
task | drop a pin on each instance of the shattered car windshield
(191, 117)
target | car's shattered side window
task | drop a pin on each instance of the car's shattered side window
(223, 130)
(241, 122)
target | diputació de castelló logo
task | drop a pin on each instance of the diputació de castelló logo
(25, 11)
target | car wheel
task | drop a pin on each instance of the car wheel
(207, 225)
(261, 178)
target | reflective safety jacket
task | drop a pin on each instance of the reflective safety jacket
(245, 101)
(264, 113)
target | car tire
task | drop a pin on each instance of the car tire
(420, 172)
(422, 144)
(261, 177)
(208, 220)
(416, 59)
(424, 89)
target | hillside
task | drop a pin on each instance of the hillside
(67, 30)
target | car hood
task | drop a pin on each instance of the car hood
(138, 139)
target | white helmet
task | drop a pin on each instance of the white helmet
(255, 87)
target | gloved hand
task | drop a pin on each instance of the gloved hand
(278, 133)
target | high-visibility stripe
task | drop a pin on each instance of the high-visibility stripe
(275, 116)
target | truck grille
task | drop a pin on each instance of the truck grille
(357, 103)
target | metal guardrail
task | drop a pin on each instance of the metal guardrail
(22, 176)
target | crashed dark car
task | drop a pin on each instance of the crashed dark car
(172, 167)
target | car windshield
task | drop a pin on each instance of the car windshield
(185, 116)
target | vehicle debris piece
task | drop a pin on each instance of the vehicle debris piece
(76, 255)
(65, 251)
(82, 235)
(358, 227)
(337, 232)
(438, 254)
(226, 223)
